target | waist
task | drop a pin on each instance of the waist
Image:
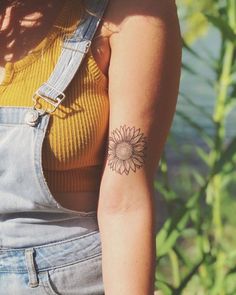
(29, 229)
(78, 201)
(52, 255)
(84, 179)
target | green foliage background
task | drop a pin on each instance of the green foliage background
(196, 245)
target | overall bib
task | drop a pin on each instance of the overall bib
(44, 247)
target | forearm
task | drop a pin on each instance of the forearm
(128, 250)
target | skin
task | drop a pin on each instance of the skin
(21, 28)
(138, 46)
(144, 74)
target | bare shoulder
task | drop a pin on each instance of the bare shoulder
(120, 12)
(125, 21)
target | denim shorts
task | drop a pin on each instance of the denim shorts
(71, 266)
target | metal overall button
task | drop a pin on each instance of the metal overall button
(32, 118)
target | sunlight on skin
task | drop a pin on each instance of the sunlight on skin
(6, 22)
(5, 19)
(31, 20)
(28, 21)
(21, 29)
(15, 28)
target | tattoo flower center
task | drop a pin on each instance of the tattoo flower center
(126, 150)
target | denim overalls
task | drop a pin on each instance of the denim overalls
(44, 247)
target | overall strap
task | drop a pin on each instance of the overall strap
(74, 50)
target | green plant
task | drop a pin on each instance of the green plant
(196, 245)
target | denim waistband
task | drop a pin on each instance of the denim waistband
(51, 255)
(18, 230)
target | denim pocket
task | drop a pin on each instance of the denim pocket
(80, 278)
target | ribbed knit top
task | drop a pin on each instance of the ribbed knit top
(75, 142)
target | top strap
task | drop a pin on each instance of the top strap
(73, 52)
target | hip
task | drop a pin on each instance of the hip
(69, 266)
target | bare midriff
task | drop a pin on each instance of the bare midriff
(78, 201)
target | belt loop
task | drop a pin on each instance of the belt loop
(33, 278)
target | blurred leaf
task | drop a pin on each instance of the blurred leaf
(188, 277)
(200, 108)
(210, 60)
(231, 105)
(175, 267)
(169, 195)
(183, 257)
(226, 163)
(191, 229)
(223, 26)
(189, 69)
(203, 155)
(232, 270)
(198, 177)
(190, 50)
(219, 274)
(170, 232)
(166, 288)
(195, 24)
(233, 78)
(208, 140)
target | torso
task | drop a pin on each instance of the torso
(88, 201)
(81, 201)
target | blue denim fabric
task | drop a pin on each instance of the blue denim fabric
(73, 51)
(26, 203)
(44, 247)
(66, 267)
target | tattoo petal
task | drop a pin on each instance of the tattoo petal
(126, 149)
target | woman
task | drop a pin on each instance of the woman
(84, 223)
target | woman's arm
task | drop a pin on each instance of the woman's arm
(144, 77)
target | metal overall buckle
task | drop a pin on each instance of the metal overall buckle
(67, 44)
(54, 102)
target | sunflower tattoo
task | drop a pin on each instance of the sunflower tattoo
(127, 149)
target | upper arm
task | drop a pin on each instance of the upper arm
(144, 77)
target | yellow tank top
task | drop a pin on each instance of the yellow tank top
(75, 142)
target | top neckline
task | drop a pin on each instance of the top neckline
(60, 24)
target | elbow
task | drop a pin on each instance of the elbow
(120, 201)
